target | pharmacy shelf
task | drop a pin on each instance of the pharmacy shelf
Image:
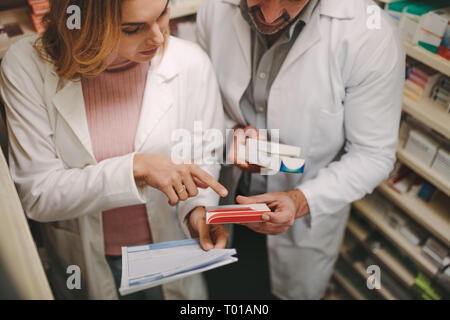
(385, 293)
(184, 8)
(425, 171)
(411, 250)
(354, 292)
(20, 16)
(358, 266)
(426, 57)
(433, 216)
(382, 254)
(430, 113)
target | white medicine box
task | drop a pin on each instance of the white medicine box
(432, 28)
(421, 147)
(442, 164)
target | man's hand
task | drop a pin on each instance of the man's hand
(285, 206)
(240, 136)
(212, 236)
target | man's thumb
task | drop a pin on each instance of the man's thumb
(244, 200)
(261, 198)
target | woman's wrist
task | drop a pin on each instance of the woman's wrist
(138, 171)
(194, 218)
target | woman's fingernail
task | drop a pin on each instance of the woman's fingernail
(208, 246)
(265, 217)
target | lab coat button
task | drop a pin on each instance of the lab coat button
(262, 75)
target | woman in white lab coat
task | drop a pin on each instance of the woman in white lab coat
(59, 179)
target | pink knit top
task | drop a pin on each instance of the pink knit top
(113, 102)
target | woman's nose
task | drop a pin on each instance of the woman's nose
(156, 37)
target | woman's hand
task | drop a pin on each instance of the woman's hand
(176, 181)
(212, 236)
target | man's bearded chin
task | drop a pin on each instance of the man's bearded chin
(284, 21)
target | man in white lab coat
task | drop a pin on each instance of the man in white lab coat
(328, 74)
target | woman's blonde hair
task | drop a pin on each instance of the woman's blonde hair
(84, 52)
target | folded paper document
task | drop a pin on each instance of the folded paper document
(148, 266)
(236, 213)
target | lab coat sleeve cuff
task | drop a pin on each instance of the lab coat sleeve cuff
(122, 188)
(310, 218)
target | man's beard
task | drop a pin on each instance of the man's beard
(256, 16)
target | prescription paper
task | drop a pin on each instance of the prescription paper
(148, 266)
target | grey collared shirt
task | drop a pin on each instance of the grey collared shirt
(266, 64)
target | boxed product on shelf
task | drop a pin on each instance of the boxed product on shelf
(426, 191)
(444, 48)
(413, 234)
(431, 29)
(412, 13)
(421, 147)
(435, 252)
(442, 278)
(395, 9)
(395, 218)
(39, 8)
(440, 95)
(424, 287)
(444, 83)
(379, 203)
(3, 32)
(441, 91)
(410, 63)
(402, 178)
(441, 163)
(421, 82)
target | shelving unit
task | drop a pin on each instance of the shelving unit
(354, 292)
(383, 255)
(358, 266)
(423, 170)
(20, 16)
(429, 113)
(432, 216)
(426, 57)
(409, 249)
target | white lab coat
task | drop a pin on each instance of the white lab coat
(338, 97)
(60, 182)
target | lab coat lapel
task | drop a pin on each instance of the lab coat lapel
(242, 30)
(157, 100)
(309, 36)
(69, 102)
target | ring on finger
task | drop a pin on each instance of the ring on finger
(182, 190)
